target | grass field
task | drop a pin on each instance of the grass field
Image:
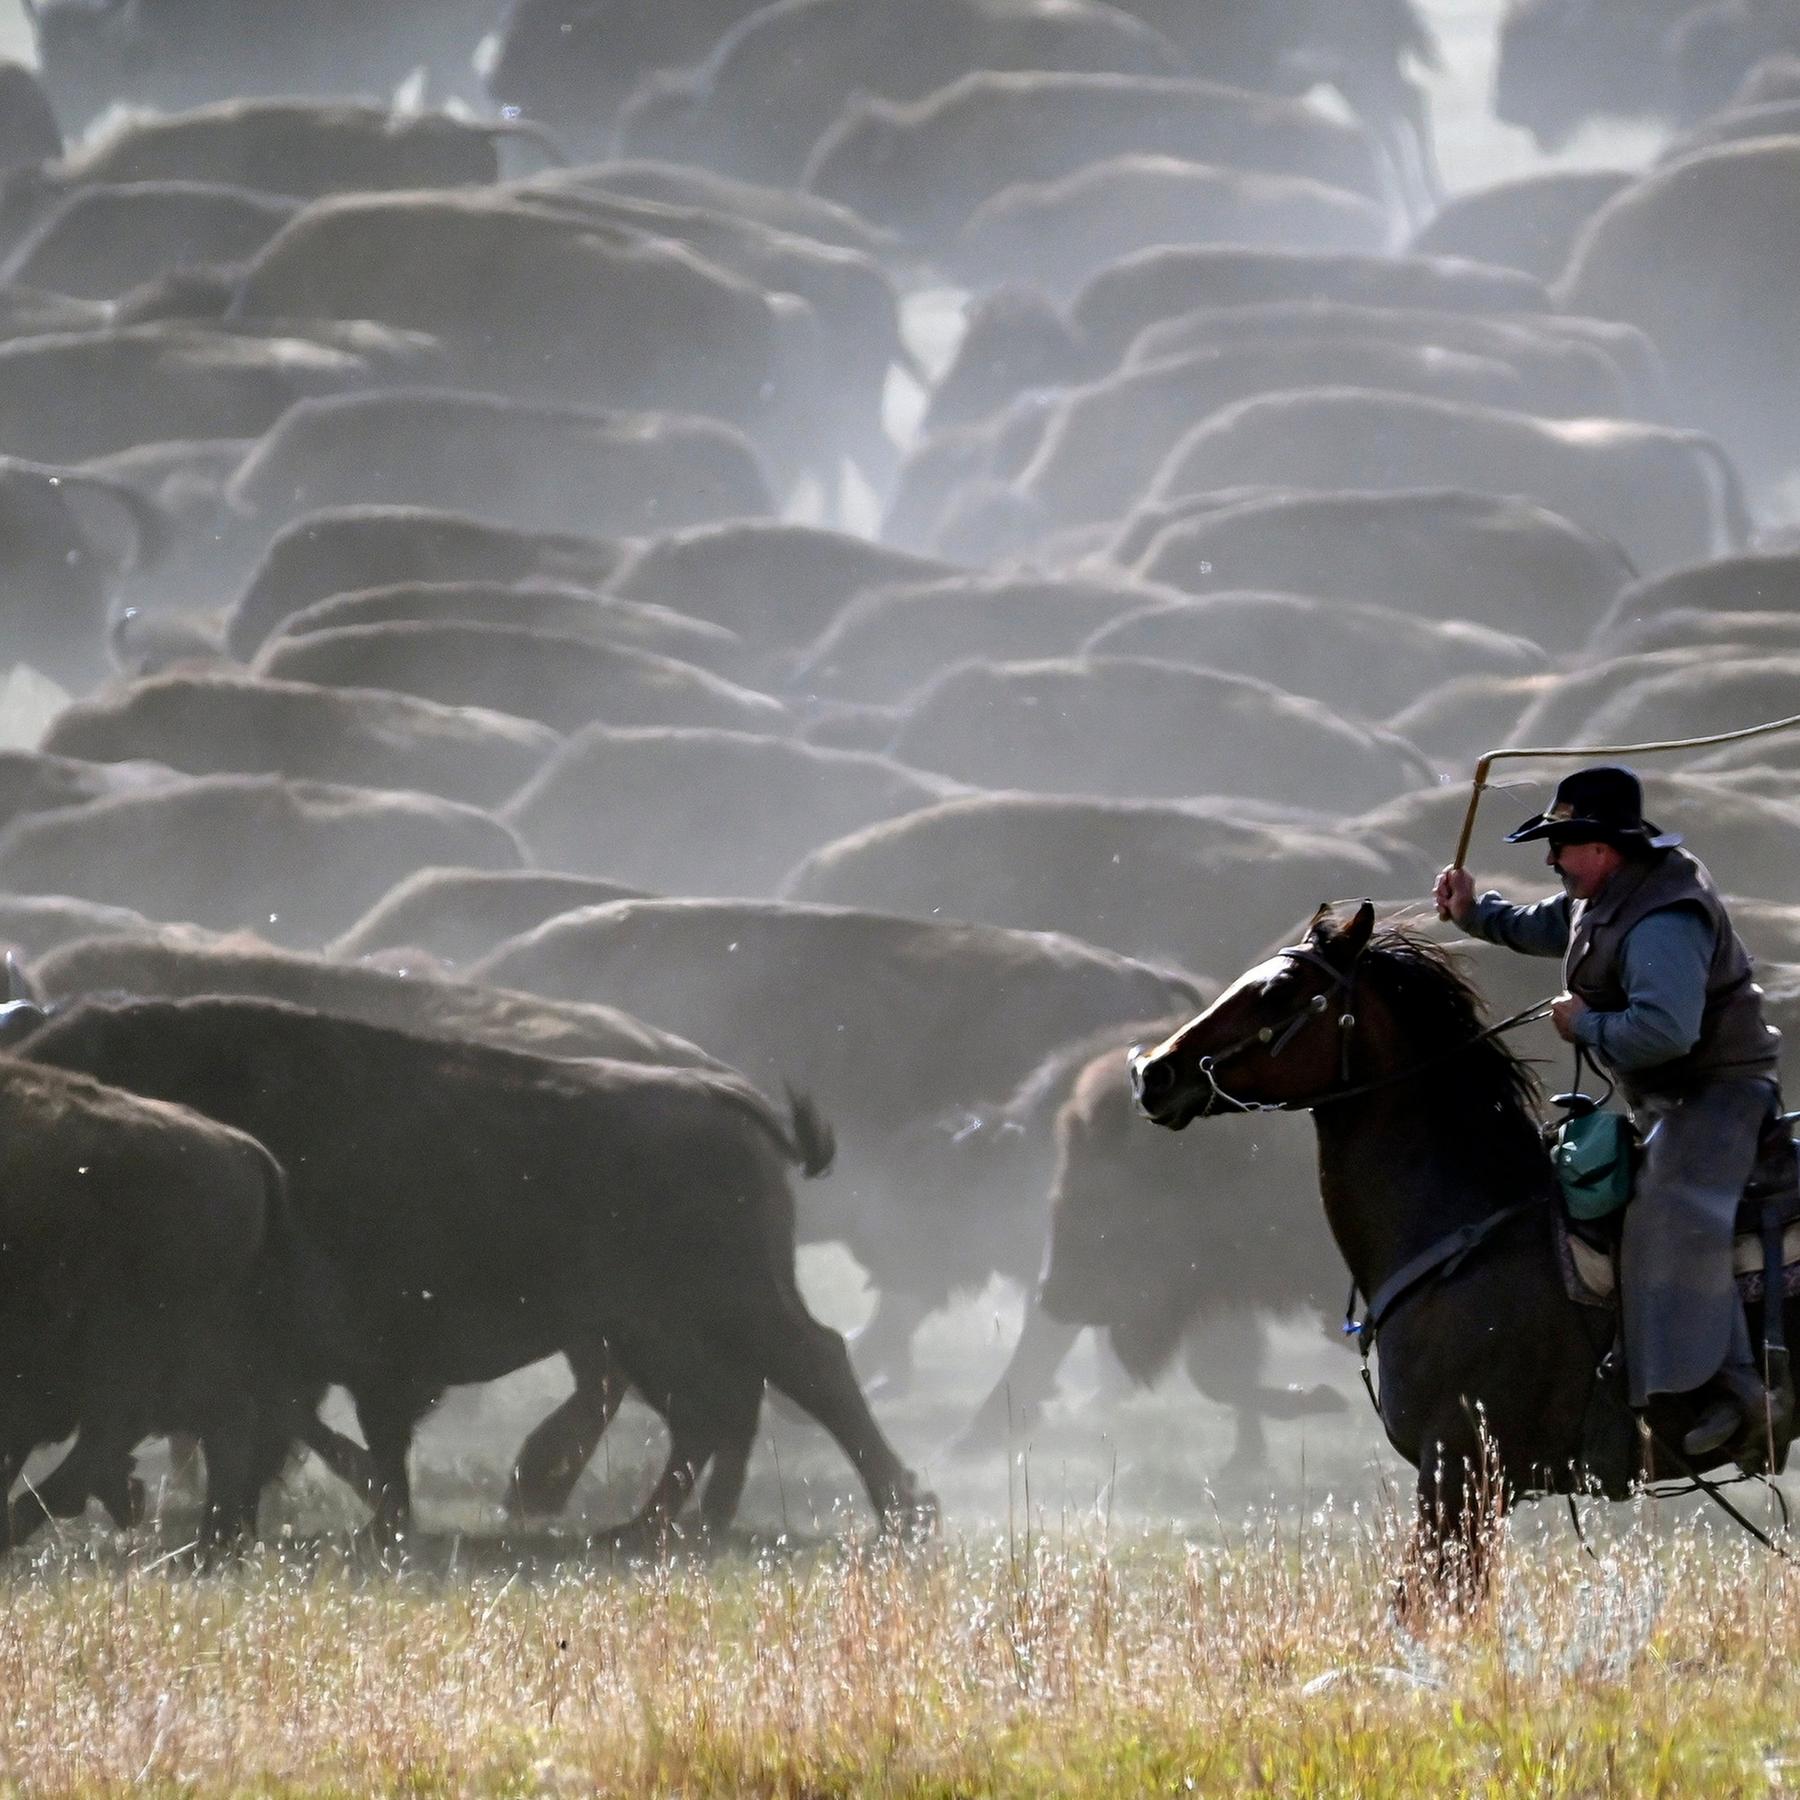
(1265, 1661)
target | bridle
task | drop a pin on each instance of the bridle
(1276, 1038)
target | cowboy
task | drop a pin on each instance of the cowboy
(1658, 990)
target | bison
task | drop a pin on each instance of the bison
(215, 723)
(1184, 883)
(572, 63)
(1725, 342)
(1766, 581)
(153, 1283)
(890, 1021)
(103, 239)
(1154, 1252)
(37, 924)
(306, 148)
(177, 53)
(29, 132)
(704, 812)
(536, 299)
(1102, 445)
(536, 468)
(886, 1019)
(71, 536)
(1367, 661)
(781, 209)
(353, 549)
(1059, 233)
(1667, 496)
(479, 1209)
(74, 396)
(1569, 367)
(1436, 553)
(300, 860)
(924, 167)
(456, 916)
(776, 80)
(1131, 727)
(181, 964)
(894, 639)
(1565, 62)
(776, 584)
(525, 606)
(1122, 302)
(1529, 222)
(553, 676)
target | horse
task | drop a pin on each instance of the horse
(1439, 1191)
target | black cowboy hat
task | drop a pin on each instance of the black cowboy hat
(1602, 805)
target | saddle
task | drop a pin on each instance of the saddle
(1765, 1250)
(1587, 1250)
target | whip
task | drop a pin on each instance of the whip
(1586, 750)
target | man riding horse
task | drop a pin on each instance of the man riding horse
(1659, 992)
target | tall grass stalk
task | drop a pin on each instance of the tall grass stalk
(1033, 1662)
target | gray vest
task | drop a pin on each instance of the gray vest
(1734, 1036)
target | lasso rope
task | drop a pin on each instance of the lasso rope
(1586, 750)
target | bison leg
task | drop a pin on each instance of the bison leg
(92, 1466)
(388, 1417)
(343, 1456)
(808, 1362)
(122, 1494)
(711, 1420)
(740, 1408)
(684, 1381)
(884, 1345)
(229, 1445)
(551, 1459)
(1017, 1399)
(1225, 1354)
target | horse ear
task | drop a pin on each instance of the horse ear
(1354, 938)
(1315, 926)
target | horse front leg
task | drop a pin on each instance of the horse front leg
(1462, 1502)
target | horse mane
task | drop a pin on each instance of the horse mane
(1479, 1087)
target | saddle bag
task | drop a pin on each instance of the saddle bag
(1595, 1154)
(1593, 1151)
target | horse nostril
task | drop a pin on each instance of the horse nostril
(1154, 1078)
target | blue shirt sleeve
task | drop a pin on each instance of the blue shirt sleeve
(1663, 964)
(1541, 929)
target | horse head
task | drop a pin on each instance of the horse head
(1276, 1038)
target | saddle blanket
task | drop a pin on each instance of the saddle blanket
(1590, 1276)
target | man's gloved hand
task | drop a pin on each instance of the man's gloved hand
(1455, 895)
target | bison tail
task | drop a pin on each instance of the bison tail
(814, 1142)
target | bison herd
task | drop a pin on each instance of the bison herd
(711, 592)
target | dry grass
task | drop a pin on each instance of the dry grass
(1268, 1663)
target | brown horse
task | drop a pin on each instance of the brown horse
(1440, 1194)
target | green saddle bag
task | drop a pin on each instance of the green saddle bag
(1595, 1154)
